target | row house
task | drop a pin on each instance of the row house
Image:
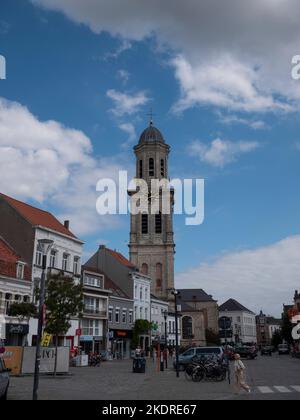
(135, 285)
(23, 225)
(243, 323)
(266, 327)
(15, 287)
(163, 323)
(106, 325)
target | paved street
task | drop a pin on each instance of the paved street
(276, 377)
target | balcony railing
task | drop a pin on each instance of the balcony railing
(96, 312)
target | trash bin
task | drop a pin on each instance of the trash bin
(139, 365)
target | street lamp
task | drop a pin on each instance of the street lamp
(44, 246)
(166, 338)
(176, 293)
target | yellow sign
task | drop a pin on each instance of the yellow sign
(46, 340)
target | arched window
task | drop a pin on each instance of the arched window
(141, 169)
(187, 327)
(144, 224)
(158, 275)
(158, 223)
(162, 167)
(145, 269)
(151, 167)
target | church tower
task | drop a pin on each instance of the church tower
(151, 245)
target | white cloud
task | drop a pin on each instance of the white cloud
(126, 104)
(234, 119)
(123, 75)
(49, 163)
(125, 45)
(220, 153)
(262, 278)
(227, 54)
(226, 83)
(129, 129)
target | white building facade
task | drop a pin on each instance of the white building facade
(243, 323)
(163, 322)
(142, 296)
(64, 257)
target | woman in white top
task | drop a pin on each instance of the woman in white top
(239, 370)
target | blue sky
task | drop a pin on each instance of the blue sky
(228, 109)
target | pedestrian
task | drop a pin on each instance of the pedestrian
(239, 371)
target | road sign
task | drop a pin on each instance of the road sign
(78, 332)
(46, 340)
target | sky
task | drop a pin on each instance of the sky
(81, 77)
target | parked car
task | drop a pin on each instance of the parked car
(283, 349)
(248, 352)
(4, 380)
(197, 352)
(266, 350)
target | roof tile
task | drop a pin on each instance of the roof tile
(37, 217)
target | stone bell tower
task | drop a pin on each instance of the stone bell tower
(151, 245)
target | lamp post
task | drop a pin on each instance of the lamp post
(166, 338)
(175, 293)
(44, 246)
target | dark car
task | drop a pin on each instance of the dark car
(266, 351)
(193, 353)
(4, 380)
(247, 352)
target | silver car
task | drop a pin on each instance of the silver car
(4, 380)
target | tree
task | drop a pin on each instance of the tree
(212, 338)
(64, 301)
(140, 326)
(24, 310)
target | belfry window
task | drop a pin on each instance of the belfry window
(141, 169)
(151, 167)
(144, 224)
(162, 167)
(158, 223)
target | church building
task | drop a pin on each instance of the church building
(151, 246)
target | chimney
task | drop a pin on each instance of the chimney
(67, 224)
(101, 246)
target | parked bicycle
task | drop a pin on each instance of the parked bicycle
(207, 369)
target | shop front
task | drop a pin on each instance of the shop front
(92, 344)
(119, 343)
(16, 334)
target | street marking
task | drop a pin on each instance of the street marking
(296, 387)
(282, 389)
(265, 390)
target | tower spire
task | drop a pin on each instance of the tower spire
(150, 115)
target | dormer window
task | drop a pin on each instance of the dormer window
(20, 270)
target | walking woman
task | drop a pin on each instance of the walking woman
(239, 370)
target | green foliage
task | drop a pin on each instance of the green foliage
(212, 338)
(64, 301)
(25, 310)
(141, 326)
